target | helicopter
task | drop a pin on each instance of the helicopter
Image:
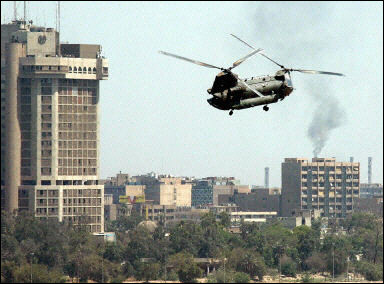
(229, 92)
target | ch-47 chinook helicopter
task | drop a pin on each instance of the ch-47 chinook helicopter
(229, 92)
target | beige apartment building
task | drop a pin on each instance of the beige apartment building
(50, 125)
(170, 191)
(323, 184)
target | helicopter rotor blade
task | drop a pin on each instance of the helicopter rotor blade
(261, 53)
(249, 87)
(317, 72)
(241, 60)
(191, 60)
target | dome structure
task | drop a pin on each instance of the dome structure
(149, 225)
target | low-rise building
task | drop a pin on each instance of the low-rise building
(259, 200)
(371, 190)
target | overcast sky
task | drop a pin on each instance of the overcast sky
(154, 113)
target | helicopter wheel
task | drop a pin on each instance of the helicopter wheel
(266, 108)
(230, 112)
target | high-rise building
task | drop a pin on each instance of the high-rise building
(323, 184)
(50, 125)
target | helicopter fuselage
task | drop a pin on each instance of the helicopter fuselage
(228, 93)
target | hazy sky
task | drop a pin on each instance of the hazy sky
(154, 113)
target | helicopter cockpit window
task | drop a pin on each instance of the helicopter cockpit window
(280, 77)
(288, 78)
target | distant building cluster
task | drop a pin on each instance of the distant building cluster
(322, 187)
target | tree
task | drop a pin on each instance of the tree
(241, 277)
(250, 262)
(124, 223)
(40, 274)
(185, 267)
(336, 249)
(306, 242)
(225, 219)
(288, 266)
(371, 271)
(316, 262)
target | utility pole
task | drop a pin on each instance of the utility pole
(348, 268)
(32, 254)
(224, 268)
(279, 266)
(333, 262)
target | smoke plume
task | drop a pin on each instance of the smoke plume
(327, 116)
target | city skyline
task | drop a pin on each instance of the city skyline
(154, 114)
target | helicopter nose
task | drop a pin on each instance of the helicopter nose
(288, 91)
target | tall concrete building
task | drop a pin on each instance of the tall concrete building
(323, 184)
(50, 125)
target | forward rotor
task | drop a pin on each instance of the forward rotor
(235, 64)
(290, 69)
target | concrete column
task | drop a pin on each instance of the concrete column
(13, 138)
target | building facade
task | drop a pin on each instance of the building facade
(259, 200)
(322, 184)
(373, 190)
(50, 125)
(177, 194)
(202, 193)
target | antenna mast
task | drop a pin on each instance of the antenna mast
(56, 15)
(59, 13)
(14, 10)
(25, 12)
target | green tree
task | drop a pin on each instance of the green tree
(250, 262)
(124, 223)
(40, 274)
(185, 267)
(336, 249)
(288, 266)
(306, 242)
(225, 219)
(241, 277)
(316, 262)
(151, 271)
(371, 271)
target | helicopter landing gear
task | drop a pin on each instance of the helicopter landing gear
(266, 108)
(231, 112)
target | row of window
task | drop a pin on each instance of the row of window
(338, 176)
(77, 144)
(82, 70)
(79, 91)
(75, 108)
(331, 184)
(77, 153)
(77, 135)
(331, 168)
(90, 100)
(315, 192)
(321, 199)
(76, 171)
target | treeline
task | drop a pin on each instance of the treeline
(49, 251)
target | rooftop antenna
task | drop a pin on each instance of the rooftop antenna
(58, 15)
(25, 12)
(14, 10)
